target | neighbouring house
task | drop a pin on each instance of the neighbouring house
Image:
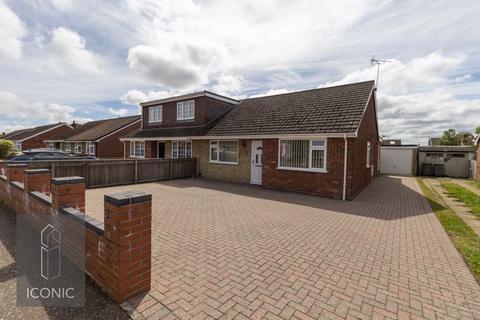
(434, 141)
(322, 141)
(98, 138)
(391, 142)
(446, 161)
(32, 138)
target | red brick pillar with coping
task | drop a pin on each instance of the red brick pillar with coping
(128, 236)
(68, 192)
(37, 180)
(15, 172)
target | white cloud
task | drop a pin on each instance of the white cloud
(67, 51)
(12, 31)
(63, 5)
(135, 97)
(118, 112)
(14, 111)
(228, 84)
(416, 100)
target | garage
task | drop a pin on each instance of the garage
(398, 160)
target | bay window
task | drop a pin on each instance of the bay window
(181, 149)
(186, 110)
(137, 149)
(304, 155)
(222, 151)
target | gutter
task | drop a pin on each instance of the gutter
(345, 158)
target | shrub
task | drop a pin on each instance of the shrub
(6, 147)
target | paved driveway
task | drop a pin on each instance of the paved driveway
(236, 251)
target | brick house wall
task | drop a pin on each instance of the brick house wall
(239, 173)
(38, 141)
(111, 146)
(206, 109)
(367, 131)
(329, 184)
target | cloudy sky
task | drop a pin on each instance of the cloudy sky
(64, 60)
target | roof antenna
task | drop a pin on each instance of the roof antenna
(377, 62)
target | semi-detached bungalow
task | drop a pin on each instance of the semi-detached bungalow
(98, 138)
(32, 138)
(323, 141)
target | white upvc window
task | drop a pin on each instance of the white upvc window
(369, 151)
(67, 147)
(50, 145)
(303, 155)
(186, 110)
(78, 148)
(181, 149)
(18, 146)
(155, 114)
(137, 149)
(90, 148)
(224, 151)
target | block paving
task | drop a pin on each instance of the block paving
(232, 251)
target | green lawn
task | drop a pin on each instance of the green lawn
(470, 199)
(463, 237)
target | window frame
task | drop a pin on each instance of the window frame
(18, 146)
(310, 149)
(87, 147)
(218, 161)
(187, 142)
(182, 116)
(132, 150)
(79, 150)
(160, 113)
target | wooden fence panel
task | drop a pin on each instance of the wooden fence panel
(102, 173)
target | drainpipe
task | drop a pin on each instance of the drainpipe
(345, 157)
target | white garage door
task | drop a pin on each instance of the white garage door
(396, 160)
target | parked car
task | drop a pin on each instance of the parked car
(47, 154)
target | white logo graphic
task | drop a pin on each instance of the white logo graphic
(50, 253)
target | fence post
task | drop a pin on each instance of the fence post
(128, 236)
(136, 171)
(15, 172)
(68, 192)
(171, 168)
(37, 180)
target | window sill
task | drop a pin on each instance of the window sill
(137, 157)
(303, 169)
(155, 122)
(222, 162)
(186, 120)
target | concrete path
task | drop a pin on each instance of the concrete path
(224, 251)
(464, 183)
(460, 209)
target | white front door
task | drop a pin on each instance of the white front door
(256, 172)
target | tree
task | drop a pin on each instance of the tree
(74, 124)
(477, 130)
(6, 146)
(451, 137)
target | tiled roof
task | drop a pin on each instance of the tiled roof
(27, 133)
(337, 109)
(94, 130)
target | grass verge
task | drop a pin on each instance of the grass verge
(469, 198)
(463, 237)
(475, 183)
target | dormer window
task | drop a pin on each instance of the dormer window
(155, 114)
(186, 110)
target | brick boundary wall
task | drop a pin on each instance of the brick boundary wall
(117, 250)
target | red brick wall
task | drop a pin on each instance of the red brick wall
(112, 147)
(328, 184)
(361, 175)
(38, 141)
(206, 109)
